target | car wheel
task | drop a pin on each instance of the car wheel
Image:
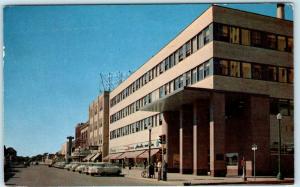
(119, 172)
(92, 174)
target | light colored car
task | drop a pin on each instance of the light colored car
(86, 167)
(80, 167)
(74, 166)
(104, 168)
(60, 165)
(68, 166)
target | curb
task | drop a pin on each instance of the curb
(152, 180)
(246, 182)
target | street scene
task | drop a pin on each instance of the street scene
(147, 95)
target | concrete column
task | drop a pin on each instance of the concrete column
(260, 127)
(202, 137)
(171, 129)
(186, 139)
(217, 134)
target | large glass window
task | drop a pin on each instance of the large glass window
(180, 54)
(271, 73)
(270, 41)
(161, 91)
(221, 32)
(290, 45)
(200, 40)
(283, 107)
(246, 70)
(171, 57)
(206, 69)
(194, 75)
(167, 89)
(166, 64)
(257, 72)
(234, 68)
(245, 37)
(176, 57)
(180, 81)
(290, 75)
(221, 67)
(176, 83)
(282, 76)
(161, 67)
(188, 49)
(188, 78)
(234, 35)
(206, 35)
(194, 44)
(281, 43)
(256, 39)
(200, 72)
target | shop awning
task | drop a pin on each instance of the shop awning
(87, 158)
(95, 157)
(131, 154)
(106, 158)
(115, 156)
(145, 154)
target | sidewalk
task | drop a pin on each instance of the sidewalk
(176, 179)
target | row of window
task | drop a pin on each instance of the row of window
(214, 66)
(248, 70)
(132, 108)
(95, 109)
(205, 69)
(221, 32)
(141, 125)
(196, 74)
(284, 106)
(190, 47)
(243, 36)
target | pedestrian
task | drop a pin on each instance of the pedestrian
(145, 164)
(159, 170)
(165, 171)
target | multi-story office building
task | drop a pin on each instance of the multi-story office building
(98, 131)
(214, 91)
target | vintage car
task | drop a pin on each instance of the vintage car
(104, 168)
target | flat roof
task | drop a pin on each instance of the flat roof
(212, 6)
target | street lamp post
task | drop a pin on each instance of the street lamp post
(79, 153)
(254, 148)
(149, 146)
(279, 118)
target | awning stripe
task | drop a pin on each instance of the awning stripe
(146, 153)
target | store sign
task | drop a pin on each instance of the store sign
(135, 147)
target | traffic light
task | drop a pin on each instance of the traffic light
(162, 139)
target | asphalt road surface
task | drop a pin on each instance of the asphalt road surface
(42, 175)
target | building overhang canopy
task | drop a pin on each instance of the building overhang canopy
(175, 100)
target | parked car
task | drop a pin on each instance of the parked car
(80, 167)
(86, 167)
(59, 165)
(74, 166)
(68, 166)
(104, 168)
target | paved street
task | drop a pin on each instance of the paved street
(44, 176)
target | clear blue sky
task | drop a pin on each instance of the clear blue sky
(54, 54)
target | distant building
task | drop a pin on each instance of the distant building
(81, 135)
(64, 148)
(98, 130)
